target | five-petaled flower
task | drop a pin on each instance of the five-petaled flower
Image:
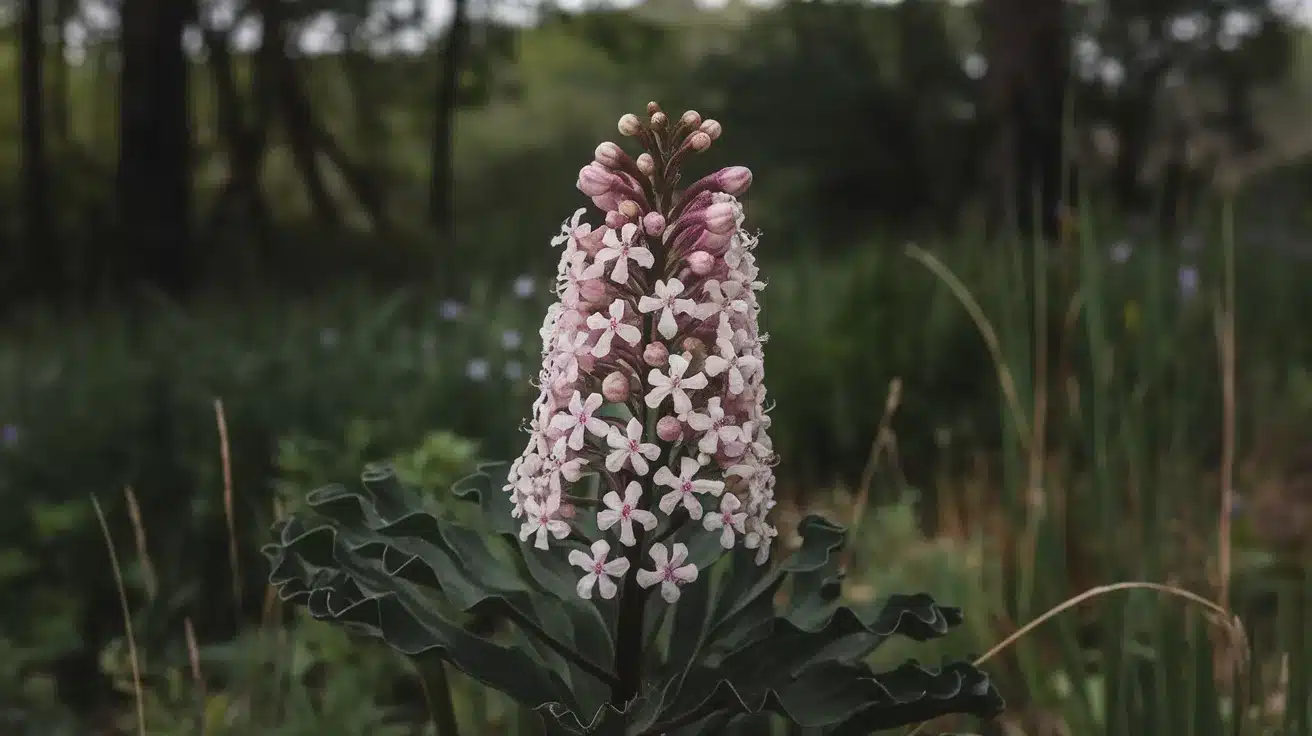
(629, 447)
(715, 425)
(543, 519)
(611, 326)
(674, 384)
(728, 519)
(684, 487)
(667, 301)
(600, 572)
(739, 367)
(725, 300)
(579, 418)
(670, 571)
(624, 512)
(621, 249)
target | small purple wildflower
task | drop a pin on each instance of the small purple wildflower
(511, 340)
(524, 286)
(477, 370)
(451, 310)
(1188, 278)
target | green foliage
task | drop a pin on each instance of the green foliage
(439, 590)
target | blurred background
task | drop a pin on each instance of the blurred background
(249, 246)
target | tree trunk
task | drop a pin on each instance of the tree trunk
(442, 185)
(40, 263)
(1026, 47)
(155, 150)
(59, 100)
(295, 111)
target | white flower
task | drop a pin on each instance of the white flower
(739, 367)
(612, 326)
(684, 487)
(724, 300)
(670, 572)
(665, 300)
(674, 384)
(556, 466)
(569, 348)
(716, 426)
(729, 519)
(580, 417)
(569, 229)
(625, 512)
(630, 448)
(542, 520)
(600, 572)
(759, 538)
(622, 250)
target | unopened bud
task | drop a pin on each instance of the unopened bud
(711, 128)
(653, 223)
(656, 354)
(669, 429)
(592, 290)
(566, 511)
(721, 218)
(694, 349)
(630, 125)
(699, 141)
(734, 180)
(615, 219)
(692, 119)
(701, 262)
(653, 107)
(646, 164)
(595, 180)
(609, 154)
(630, 209)
(659, 119)
(615, 387)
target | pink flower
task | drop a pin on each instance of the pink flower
(716, 426)
(665, 299)
(670, 571)
(728, 519)
(543, 520)
(580, 417)
(684, 487)
(625, 512)
(674, 384)
(724, 301)
(739, 367)
(630, 449)
(621, 249)
(600, 573)
(611, 326)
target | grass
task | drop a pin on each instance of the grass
(1101, 441)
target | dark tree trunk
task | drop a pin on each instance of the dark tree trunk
(39, 268)
(441, 188)
(155, 150)
(294, 109)
(1026, 46)
(59, 102)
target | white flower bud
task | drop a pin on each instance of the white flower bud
(630, 125)
(692, 119)
(615, 387)
(656, 354)
(711, 128)
(669, 429)
(646, 164)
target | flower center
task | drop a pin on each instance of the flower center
(668, 573)
(633, 445)
(686, 488)
(624, 512)
(597, 566)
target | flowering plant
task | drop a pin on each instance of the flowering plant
(648, 469)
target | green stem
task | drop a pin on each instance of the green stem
(437, 693)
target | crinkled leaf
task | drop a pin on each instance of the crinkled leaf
(375, 561)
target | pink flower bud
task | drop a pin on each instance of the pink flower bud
(609, 155)
(615, 219)
(592, 242)
(696, 347)
(669, 429)
(659, 119)
(653, 223)
(656, 354)
(646, 164)
(714, 243)
(734, 179)
(699, 141)
(653, 107)
(630, 125)
(608, 202)
(595, 180)
(692, 119)
(711, 128)
(615, 387)
(721, 218)
(566, 510)
(592, 290)
(630, 209)
(701, 262)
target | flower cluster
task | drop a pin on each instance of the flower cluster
(652, 371)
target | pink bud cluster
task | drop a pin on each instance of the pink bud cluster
(652, 365)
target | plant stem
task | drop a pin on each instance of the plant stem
(437, 693)
(628, 638)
